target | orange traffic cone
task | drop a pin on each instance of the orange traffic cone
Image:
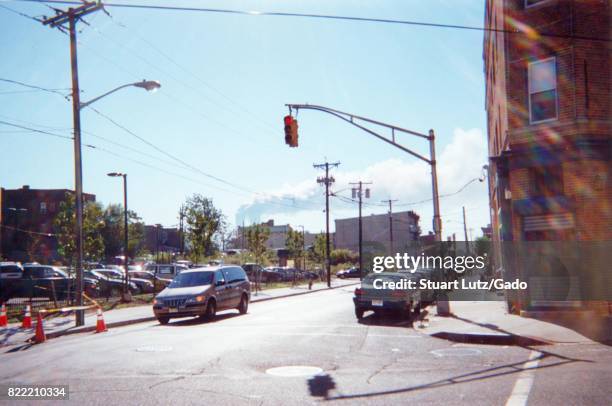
(27, 318)
(100, 325)
(40, 336)
(3, 318)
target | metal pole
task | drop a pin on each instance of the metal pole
(78, 167)
(360, 235)
(304, 246)
(437, 222)
(125, 233)
(391, 226)
(327, 251)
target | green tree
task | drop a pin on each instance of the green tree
(203, 222)
(65, 225)
(257, 236)
(112, 232)
(294, 243)
(318, 251)
(341, 256)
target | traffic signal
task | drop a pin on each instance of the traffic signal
(291, 131)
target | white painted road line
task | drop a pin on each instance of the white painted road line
(524, 382)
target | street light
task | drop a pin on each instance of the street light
(126, 292)
(77, 106)
(148, 85)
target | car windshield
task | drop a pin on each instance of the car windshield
(188, 279)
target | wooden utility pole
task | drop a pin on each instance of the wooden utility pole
(391, 252)
(327, 181)
(71, 17)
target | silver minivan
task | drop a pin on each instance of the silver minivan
(201, 292)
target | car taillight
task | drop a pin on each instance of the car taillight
(358, 291)
(397, 293)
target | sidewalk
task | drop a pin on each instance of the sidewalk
(64, 325)
(489, 323)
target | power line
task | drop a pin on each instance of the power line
(38, 88)
(150, 144)
(326, 17)
(28, 231)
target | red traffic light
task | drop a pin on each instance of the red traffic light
(291, 128)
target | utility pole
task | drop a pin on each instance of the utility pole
(181, 231)
(467, 243)
(390, 224)
(359, 192)
(327, 181)
(72, 16)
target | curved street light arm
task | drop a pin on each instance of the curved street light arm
(85, 104)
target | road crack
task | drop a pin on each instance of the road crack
(178, 378)
(380, 370)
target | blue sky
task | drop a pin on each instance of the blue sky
(225, 79)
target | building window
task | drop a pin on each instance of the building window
(542, 77)
(546, 181)
(43, 208)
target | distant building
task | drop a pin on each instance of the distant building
(376, 231)
(26, 222)
(162, 239)
(487, 231)
(278, 235)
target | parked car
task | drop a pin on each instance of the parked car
(44, 281)
(369, 297)
(166, 270)
(11, 270)
(143, 285)
(151, 277)
(202, 292)
(271, 275)
(348, 273)
(91, 287)
(110, 287)
(252, 269)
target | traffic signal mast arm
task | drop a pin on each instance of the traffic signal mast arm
(350, 118)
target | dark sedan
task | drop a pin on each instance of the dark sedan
(349, 273)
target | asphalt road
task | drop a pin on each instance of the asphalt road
(378, 361)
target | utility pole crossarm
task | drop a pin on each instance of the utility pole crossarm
(350, 118)
(77, 13)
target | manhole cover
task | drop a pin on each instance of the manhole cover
(154, 348)
(294, 370)
(456, 352)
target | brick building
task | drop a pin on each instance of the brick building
(549, 121)
(26, 222)
(375, 232)
(162, 239)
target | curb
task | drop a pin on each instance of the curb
(88, 329)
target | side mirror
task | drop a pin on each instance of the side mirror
(219, 283)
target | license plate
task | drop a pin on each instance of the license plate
(172, 310)
(377, 302)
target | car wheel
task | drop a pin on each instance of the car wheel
(163, 320)
(417, 309)
(211, 310)
(243, 307)
(359, 313)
